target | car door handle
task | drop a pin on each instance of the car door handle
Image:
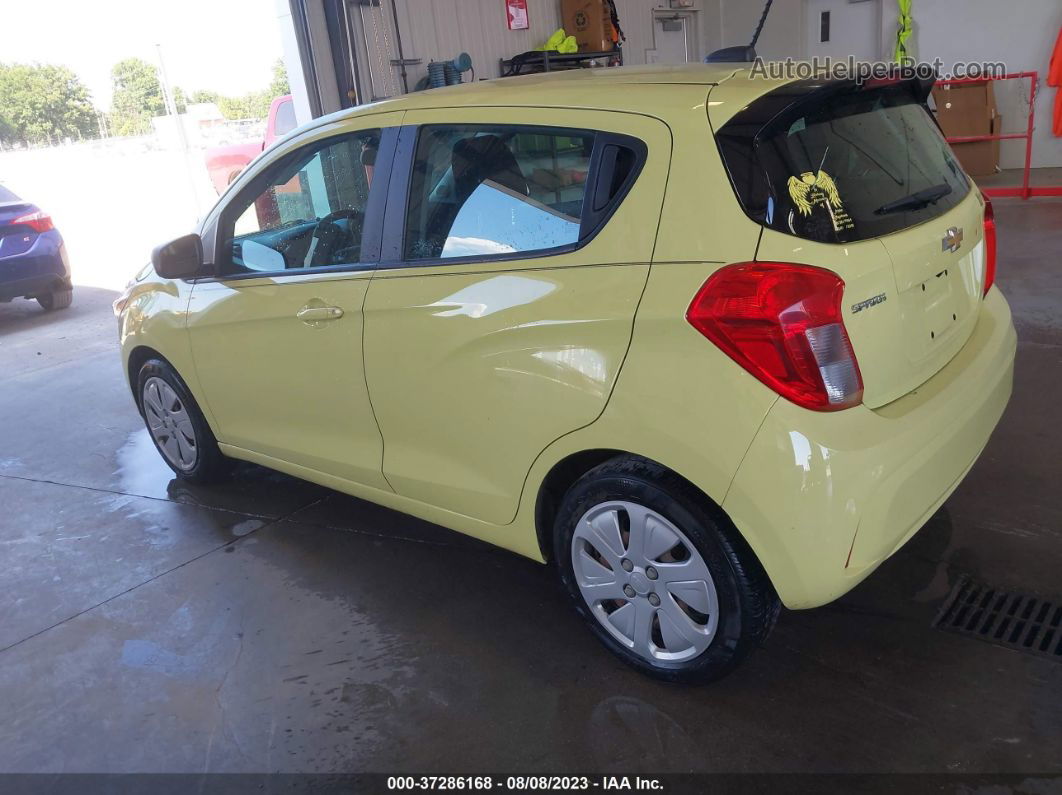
(318, 314)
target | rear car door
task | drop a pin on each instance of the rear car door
(277, 335)
(517, 246)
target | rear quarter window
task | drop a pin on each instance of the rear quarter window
(841, 164)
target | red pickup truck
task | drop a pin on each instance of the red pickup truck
(226, 162)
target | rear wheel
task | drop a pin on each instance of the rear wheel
(665, 583)
(58, 298)
(177, 426)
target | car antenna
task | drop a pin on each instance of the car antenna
(741, 53)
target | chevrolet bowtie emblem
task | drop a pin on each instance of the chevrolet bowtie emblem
(952, 239)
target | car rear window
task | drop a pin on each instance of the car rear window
(837, 164)
(7, 196)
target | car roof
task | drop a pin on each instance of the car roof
(693, 73)
(621, 87)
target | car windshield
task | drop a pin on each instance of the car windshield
(7, 196)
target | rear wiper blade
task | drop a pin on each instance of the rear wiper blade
(916, 201)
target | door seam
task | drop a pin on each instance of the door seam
(630, 337)
(368, 391)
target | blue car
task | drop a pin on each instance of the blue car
(33, 261)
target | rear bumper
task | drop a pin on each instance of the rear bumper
(36, 270)
(823, 499)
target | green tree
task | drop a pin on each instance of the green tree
(250, 106)
(279, 86)
(179, 99)
(43, 103)
(137, 97)
(254, 105)
(205, 96)
(234, 107)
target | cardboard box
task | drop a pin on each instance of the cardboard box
(981, 158)
(968, 109)
(591, 24)
(965, 108)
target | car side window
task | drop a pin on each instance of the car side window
(308, 212)
(495, 190)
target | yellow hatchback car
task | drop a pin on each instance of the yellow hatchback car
(708, 343)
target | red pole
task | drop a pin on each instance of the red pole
(1028, 144)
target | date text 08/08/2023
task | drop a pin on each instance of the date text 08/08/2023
(524, 783)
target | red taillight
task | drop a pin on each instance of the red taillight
(38, 221)
(990, 245)
(783, 324)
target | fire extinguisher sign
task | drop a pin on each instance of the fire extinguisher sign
(516, 12)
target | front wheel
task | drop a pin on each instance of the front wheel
(667, 585)
(177, 426)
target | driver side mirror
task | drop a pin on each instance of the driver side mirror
(181, 258)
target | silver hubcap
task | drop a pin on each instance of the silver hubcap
(645, 582)
(169, 424)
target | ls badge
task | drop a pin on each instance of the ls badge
(952, 240)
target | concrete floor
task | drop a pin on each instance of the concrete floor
(274, 625)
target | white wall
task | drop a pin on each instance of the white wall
(636, 18)
(1020, 33)
(440, 29)
(783, 33)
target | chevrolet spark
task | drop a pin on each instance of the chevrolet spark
(709, 344)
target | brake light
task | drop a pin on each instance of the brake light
(783, 324)
(37, 221)
(990, 245)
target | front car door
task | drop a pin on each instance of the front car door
(516, 249)
(277, 335)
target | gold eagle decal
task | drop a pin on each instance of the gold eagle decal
(810, 189)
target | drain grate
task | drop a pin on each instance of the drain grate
(1007, 618)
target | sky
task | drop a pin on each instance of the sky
(227, 46)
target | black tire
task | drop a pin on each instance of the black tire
(210, 465)
(748, 604)
(58, 298)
